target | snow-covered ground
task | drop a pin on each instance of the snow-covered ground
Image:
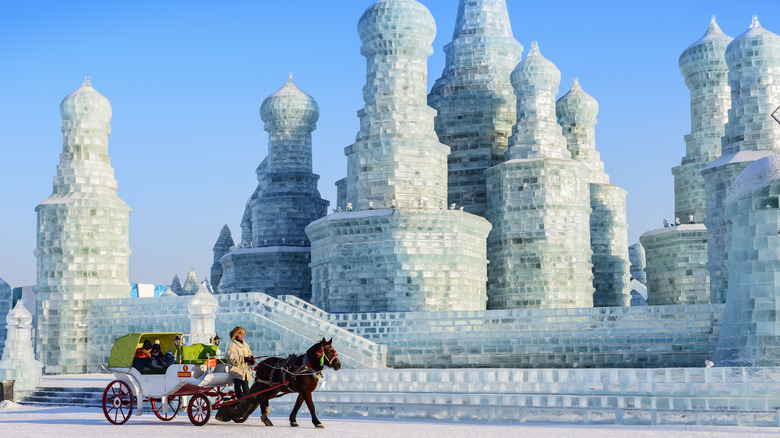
(34, 421)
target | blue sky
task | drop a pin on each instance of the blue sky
(186, 80)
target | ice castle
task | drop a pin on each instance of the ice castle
(497, 171)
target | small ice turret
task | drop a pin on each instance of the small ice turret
(223, 245)
(202, 308)
(18, 361)
(576, 112)
(190, 284)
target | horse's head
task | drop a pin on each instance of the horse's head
(331, 357)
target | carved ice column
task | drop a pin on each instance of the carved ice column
(202, 308)
(18, 362)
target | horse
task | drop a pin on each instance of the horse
(277, 376)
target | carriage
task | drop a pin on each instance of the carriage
(195, 376)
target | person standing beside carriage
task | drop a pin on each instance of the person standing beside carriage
(241, 359)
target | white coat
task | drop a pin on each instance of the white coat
(236, 353)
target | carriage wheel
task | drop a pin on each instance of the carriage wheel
(117, 402)
(199, 409)
(240, 419)
(174, 404)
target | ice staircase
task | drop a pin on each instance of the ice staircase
(58, 396)
(704, 396)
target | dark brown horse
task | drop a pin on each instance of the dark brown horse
(277, 376)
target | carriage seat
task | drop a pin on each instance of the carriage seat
(198, 353)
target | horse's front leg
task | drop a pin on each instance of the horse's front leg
(294, 413)
(265, 409)
(310, 404)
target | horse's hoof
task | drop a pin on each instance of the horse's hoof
(267, 422)
(293, 424)
(319, 426)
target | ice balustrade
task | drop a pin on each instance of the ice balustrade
(273, 327)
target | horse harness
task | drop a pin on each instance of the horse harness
(284, 371)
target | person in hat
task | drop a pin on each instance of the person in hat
(241, 360)
(143, 357)
(157, 360)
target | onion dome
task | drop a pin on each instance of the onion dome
(406, 22)
(576, 104)
(754, 48)
(535, 71)
(290, 104)
(202, 302)
(86, 104)
(756, 175)
(19, 316)
(706, 53)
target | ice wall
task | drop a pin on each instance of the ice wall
(753, 60)
(83, 245)
(539, 204)
(750, 329)
(475, 99)
(576, 112)
(399, 247)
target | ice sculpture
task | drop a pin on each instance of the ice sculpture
(397, 247)
(176, 285)
(753, 60)
(6, 296)
(190, 284)
(275, 253)
(202, 309)
(223, 245)
(750, 330)
(539, 204)
(18, 361)
(576, 112)
(475, 99)
(83, 245)
(677, 256)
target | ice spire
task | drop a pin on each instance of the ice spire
(475, 99)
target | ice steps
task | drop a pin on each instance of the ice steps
(58, 396)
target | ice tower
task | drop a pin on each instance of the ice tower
(223, 246)
(677, 255)
(276, 259)
(83, 247)
(576, 112)
(538, 204)
(18, 360)
(475, 99)
(190, 284)
(750, 330)
(753, 60)
(400, 248)
(6, 297)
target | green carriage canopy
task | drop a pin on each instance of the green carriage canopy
(123, 351)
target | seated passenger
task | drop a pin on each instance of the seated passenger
(143, 357)
(169, 359)
(158, 363)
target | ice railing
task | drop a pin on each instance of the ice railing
(362, 352)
